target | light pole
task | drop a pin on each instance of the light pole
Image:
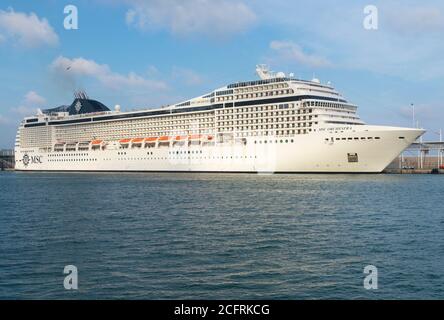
(440, 150)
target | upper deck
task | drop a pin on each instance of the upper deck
(242, 94)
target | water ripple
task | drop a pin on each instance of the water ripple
(204, 236)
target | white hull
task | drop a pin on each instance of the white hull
(366, 149)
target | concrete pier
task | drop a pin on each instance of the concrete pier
(421, 157)
(414, 171)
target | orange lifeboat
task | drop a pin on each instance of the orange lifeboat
(125, 141)
(181, 138)
(137, 140)
(209, 138)
(96, 142)
(195, 137)
(151, 139)
(164, 138)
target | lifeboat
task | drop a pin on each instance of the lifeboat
(150, 142)
(195, 137)
(96, 142)
(181, 138)
(137, 140)
(124, 141)
(164, 139)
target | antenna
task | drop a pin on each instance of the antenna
(80, 94)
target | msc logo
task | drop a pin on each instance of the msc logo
(25, 159)
(33, 159)
(78, 106)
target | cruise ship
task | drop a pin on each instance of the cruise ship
(276, 124)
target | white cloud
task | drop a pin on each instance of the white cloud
(24, 110)
(408, 20)
(31, 101)
(221, 18)
(152, 71)
(187, 76)
(71, 69)
(26, 30)
(292, 52)
(32, 98)
(407, 43)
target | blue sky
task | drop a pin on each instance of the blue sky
(148, 53)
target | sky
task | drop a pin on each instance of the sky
(145, 54)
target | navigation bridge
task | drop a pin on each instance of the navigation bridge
(7, 159)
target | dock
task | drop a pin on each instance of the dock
(7, 161)
(413, 171)
(420, 158)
